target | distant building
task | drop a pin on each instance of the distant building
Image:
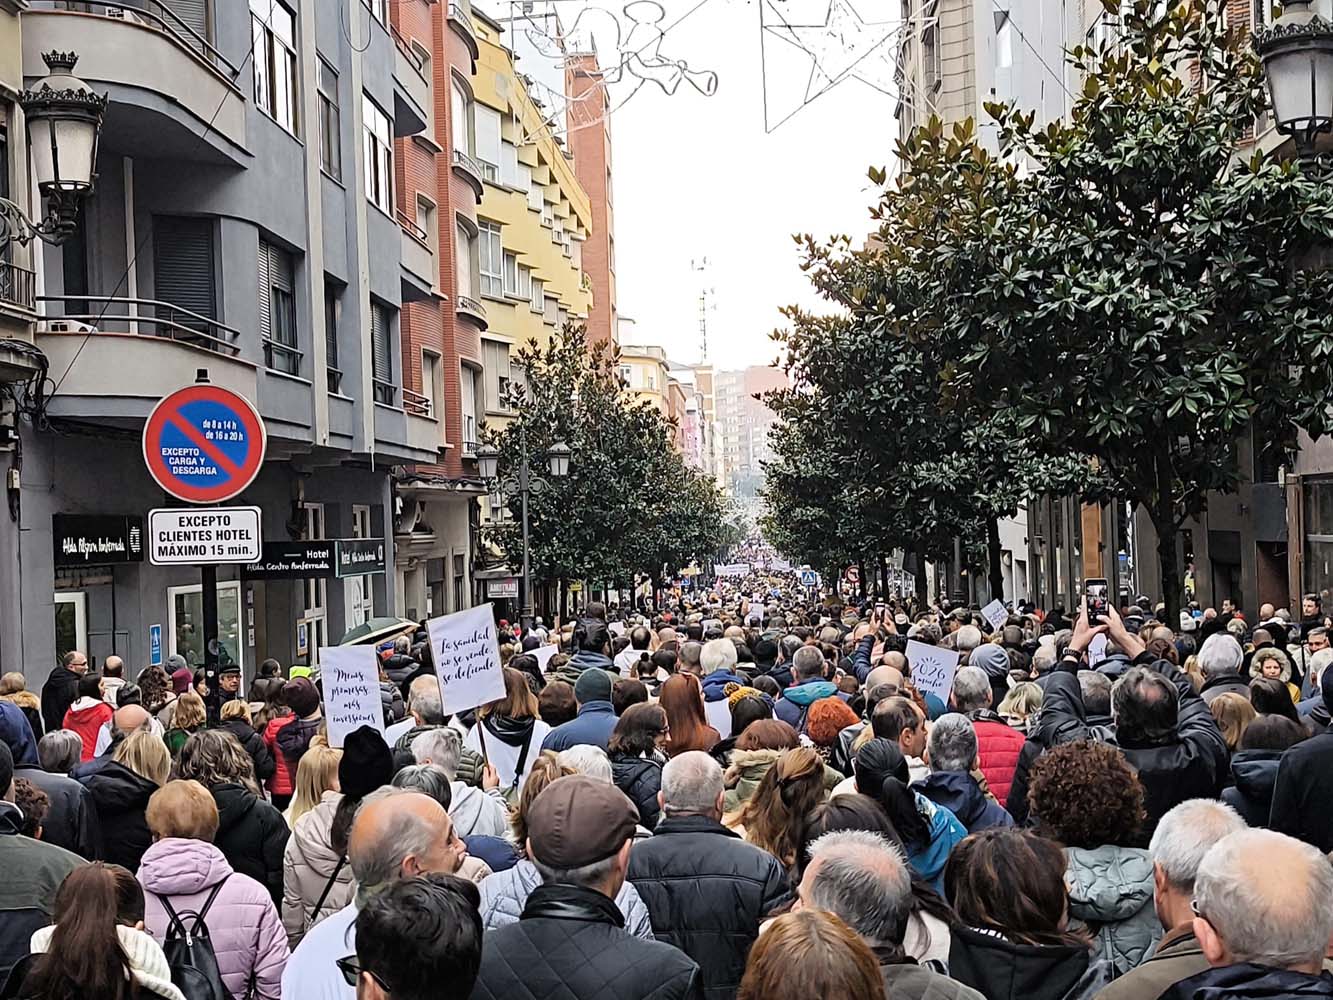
(743, 423)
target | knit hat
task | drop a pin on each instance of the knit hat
(735, 692)
(300, 671)
(366, 764)
(300, 696)
(594, 684)
(579, 820)
(990, 658)
(181, 679)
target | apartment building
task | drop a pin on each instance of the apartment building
(245, 223)
(743, 423)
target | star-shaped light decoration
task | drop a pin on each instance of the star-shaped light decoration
(844, 46)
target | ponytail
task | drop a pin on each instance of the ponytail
(85, 957)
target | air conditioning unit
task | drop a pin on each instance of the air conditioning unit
(67, 326)
(123, 14)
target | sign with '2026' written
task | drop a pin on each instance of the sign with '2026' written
(203, 536)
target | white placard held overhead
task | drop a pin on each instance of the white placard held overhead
(544, 654)
(467, 658)
(933, 668)
(1097, 649)
(995, 613)
(616, 628)
(351, 679)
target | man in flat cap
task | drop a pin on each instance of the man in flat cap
(570, 939)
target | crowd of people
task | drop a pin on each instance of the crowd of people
(743, 795)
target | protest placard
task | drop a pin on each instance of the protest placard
(1097, 649)
(933, 668)
(996, 614)
(350, 675)
(616, 628)
(467, 658)
(544, 654)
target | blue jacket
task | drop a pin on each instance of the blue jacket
(945, 832)
(861, 658)
(959, 792)
(17, 734)
(714, 684)
(1250, 982)
(593, 725)
(796, 700)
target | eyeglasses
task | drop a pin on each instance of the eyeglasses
(352, 969)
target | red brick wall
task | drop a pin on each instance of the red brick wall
(590, 141)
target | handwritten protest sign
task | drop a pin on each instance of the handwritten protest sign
(351, 679)
(932, 668)
(1097, 649)
(544, 654)
(467, 658)
(995, 613)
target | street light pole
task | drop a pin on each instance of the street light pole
(526, 613)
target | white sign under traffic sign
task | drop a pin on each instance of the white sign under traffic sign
(203, 536)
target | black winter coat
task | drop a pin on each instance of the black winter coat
(1303, 794)
(399, 667)
(1254, 773)
(640, 779)
(570, 944)
(121, 797)
(294, 739)
(706, 891)
(252, 836)
(58, 693)
(1252, 982)
(1002, 970)
(71, 820)
(254, 745)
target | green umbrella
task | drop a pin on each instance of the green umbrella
(377, 629)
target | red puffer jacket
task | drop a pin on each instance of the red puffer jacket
(998, 746)
(284, 778)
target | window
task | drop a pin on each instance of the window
(381, 353)
(460, 108)
(379, 10)
(430, 379)
(316, 590)
(495, 357)
(379, 155)
(525, 282)
(426, 220)
(185, 615)
(183, 272)
(491, 255)
(273, 31)
(536, 200)
(277, 308)
(464, 254)
(510, 273)
(333, 309)
(551, 312)
(487, 125)
(1004, 40)
(330, 128)
(627, 374)
(468, 403)
(509, 175)
(538, 298)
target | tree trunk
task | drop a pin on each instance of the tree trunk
(861, 578)
(564, 602)
(1164, 523)
(919, 576)
(995, 555)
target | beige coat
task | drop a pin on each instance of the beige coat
(307, 864)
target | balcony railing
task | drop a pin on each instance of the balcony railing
(407, 50)
(459, 12)
(466, 303)
(385, 392)
(415, 403)
(153, 14)
(335, 380)
(281, 357)
(470, 167)
(162, 319)
(410, 227)
(18, 286)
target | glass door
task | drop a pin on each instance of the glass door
(185, 616)
(71, 607)
(360, 594)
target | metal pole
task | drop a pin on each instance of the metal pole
(526, 612)
(208, 581)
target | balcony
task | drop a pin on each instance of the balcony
(18, 287)
(420, 275)
(466, 305)
(417, 404)
(120, 314)
(467, 167)
(460, 18)
(411, 90)
(170, 89)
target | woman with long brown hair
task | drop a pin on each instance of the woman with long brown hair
(683, 701)
(1008, 889)
(509, 732)
(810, 953)
(774, 816)
(96, 947)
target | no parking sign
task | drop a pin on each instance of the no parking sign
(204, 444)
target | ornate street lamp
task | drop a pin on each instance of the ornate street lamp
(1297, 56)
(64, 117)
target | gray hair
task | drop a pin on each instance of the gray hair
(404, 833)
(967, 638)
(442, 747)
(428, 780)
(587, 759)
(1320, 661)
(953, 743)
(808, 662)
(1185, 833)
(862, 878)
(402, 644)
(971, 689)
(1096, 691)
(423, 698)
(589, 876)
(1043, 659)
(691, 784)
(1220, 654)
(59, 750)
(717, 654)
(1268, 896)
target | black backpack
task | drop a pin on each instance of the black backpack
(190, 955)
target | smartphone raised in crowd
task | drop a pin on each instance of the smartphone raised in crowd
(1098, 597)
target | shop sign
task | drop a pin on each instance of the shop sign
(96, 539)
(292, 561)
(359, 556)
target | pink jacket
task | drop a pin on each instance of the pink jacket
(243, 923)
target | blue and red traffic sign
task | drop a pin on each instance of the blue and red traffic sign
(204, 444)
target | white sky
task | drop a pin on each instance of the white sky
(698, 177)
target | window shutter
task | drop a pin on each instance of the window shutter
(183, 265)
(265, 289)
(194, 13)
(381, 359)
